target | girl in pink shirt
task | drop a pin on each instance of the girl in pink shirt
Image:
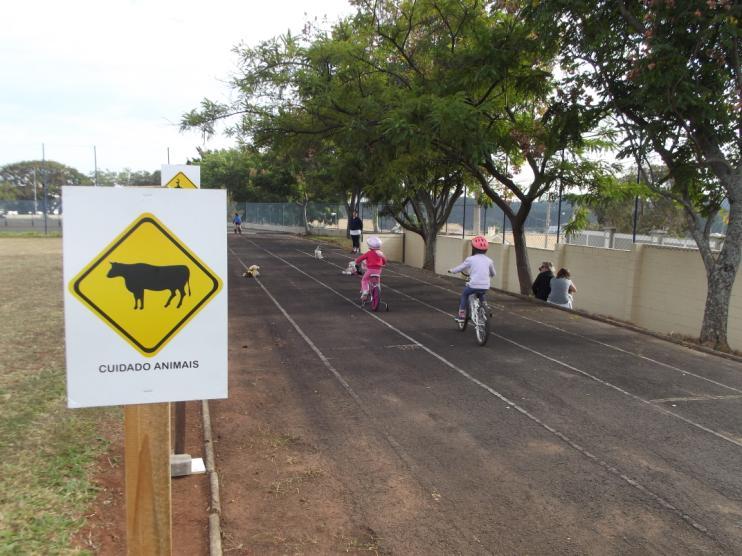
(375, 260)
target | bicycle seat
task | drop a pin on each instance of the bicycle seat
(374, 275)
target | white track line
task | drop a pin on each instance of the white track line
(696, 399)
(604, 344)
(563, 437)
(650, 403)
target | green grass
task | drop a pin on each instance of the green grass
(47, 452)
(4, 233)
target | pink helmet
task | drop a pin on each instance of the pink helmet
(374, 242)
(480, 242)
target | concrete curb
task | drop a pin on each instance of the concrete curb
(215, 506)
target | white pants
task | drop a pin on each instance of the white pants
(567, 305)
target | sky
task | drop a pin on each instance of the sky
(118, 75)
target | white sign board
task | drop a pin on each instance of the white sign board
(145, 295)
(180, 176)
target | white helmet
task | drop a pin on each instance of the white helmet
(374, 242)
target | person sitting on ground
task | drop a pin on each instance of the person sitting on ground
(562, 289)
(237, 221)
(355, 228)
(375, 260)
(542, 284)
(480, 269)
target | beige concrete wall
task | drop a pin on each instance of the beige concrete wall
(450, 252)
(600, 276)
(658, 288)
(672, 293)
(414, 250)
(391, 246)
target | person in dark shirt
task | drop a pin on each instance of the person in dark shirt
(542, 284)
(356, 229)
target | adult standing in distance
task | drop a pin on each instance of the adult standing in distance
(356, 230)
(542, 284)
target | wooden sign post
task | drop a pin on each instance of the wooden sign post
(147, 468)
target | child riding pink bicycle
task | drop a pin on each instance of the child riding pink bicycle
(375, 261)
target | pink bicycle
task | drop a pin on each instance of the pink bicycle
(373, 299)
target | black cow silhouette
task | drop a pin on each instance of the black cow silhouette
(140, 276)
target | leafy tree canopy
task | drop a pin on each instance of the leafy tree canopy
(17, 180)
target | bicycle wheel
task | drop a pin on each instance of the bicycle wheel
(482, 329)
(463, 323)
(375, 297)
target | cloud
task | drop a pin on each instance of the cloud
(119, 74)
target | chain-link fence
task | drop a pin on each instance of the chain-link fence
(319, 216)
(544, 227)
(30, 216)
(544, 219)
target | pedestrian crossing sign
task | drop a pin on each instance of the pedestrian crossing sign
(181, 181)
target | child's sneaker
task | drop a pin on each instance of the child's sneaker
(461, 317)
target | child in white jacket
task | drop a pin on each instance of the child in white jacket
(480, 269)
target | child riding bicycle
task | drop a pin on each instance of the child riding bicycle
(375, 260)
(237, 221)
(480, 269)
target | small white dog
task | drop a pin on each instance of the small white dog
(350, 269)
(318, 253)
(252, 271)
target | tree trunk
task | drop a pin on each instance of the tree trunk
(716, 312)
(306, 221)
(720, 275)
(521, 255)
(430, 244)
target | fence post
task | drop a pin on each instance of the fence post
(559, 213)
(632, 299)
(503, 264)
(610, 235)
(560, 251)
(463, 218)
(477, 220)
(659, 235)
(636, 216)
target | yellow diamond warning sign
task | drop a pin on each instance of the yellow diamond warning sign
(146, 285)
(181, 181)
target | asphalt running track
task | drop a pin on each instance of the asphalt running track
(561, 435)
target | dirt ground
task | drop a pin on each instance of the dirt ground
(279, 494)
(105, 529)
